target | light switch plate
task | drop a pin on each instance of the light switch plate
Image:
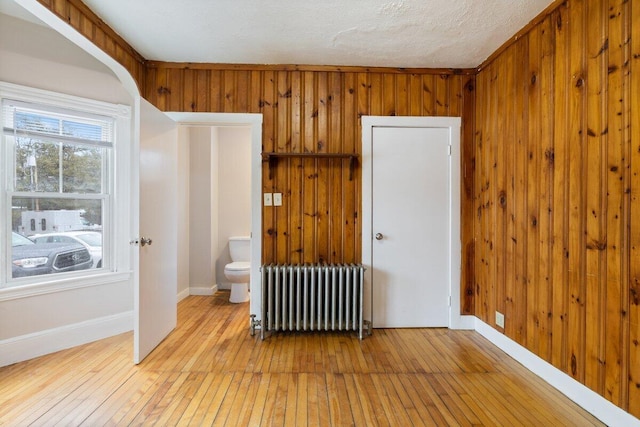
(277, 199)
(268, 199)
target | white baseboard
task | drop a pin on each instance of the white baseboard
(183, 294)
(591, 401)
(464, 322)
(203, 290)
(25, 347)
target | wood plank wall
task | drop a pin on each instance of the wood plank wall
(557, 186)
(315, 110)
(87, 23)
(306, 109)
(551, 189)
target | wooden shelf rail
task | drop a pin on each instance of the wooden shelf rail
(272, 159)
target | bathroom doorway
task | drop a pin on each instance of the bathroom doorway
(221, 163)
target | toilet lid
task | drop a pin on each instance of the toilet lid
(238, 266)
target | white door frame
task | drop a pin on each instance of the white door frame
(456, 321)
(254, 121)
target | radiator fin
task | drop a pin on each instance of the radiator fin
(312, 297)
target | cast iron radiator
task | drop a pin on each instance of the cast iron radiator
(312, 297)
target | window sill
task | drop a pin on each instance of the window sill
(61, 285)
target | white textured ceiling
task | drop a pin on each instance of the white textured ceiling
(400, 33)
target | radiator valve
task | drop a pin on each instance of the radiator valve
(253, 323)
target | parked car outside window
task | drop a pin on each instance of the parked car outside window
(92, 240)
(33, 259)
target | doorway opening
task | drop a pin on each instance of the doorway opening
(214, 161)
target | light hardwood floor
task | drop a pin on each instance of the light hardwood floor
(210, 371)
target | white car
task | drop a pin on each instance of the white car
(92, 240)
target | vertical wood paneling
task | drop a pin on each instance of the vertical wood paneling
(442, 95)
(467, 193)
(216, 88)
(202, 89)
(349, 137)
(560, 290)
(574, 168)
(389, 95)
(310, 185)
(614, 172)
(575, 228)
(595, 134)
(507, 198)
(500, 196)
(546, 157)
(481, 196)
(336, 182)
(403, 106)
(634, 264)
(316, 111)
(268, 101)
(322, 191)
(175, 79)
(295, 207)
(162, 93)
(189, 95)
(428, 95)
(415, 91)
(375, 97)
(242, 83)
(281, 174)
(533, 189)
(550, 202)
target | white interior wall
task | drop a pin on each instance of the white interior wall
(219, 201)
(46, 322)
(201, 269)
(65, 68)
(183, 205)
(234, 192)
(213, 206)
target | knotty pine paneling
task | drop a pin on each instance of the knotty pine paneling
(631, 225)
(551, 171)
(318, 111)
(87, 23)
(556, 209)
(305, 109)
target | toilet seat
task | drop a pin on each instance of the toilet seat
(238, 266)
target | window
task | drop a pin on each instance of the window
(57, 170)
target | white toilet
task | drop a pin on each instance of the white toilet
(238, 271)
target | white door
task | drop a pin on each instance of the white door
(410, 226)
(156, 285)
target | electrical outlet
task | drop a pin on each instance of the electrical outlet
(268, 199)
(499, 319)
(277, 199)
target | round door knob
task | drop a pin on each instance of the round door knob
(145, 241)
(379, 236)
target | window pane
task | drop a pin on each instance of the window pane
(82, 169)
(84, 130)
(37, 165)
(56, 214)
(63, 246)
(36, 122)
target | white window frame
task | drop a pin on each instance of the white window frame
(116, 270)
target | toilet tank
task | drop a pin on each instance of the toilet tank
(240, 248)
